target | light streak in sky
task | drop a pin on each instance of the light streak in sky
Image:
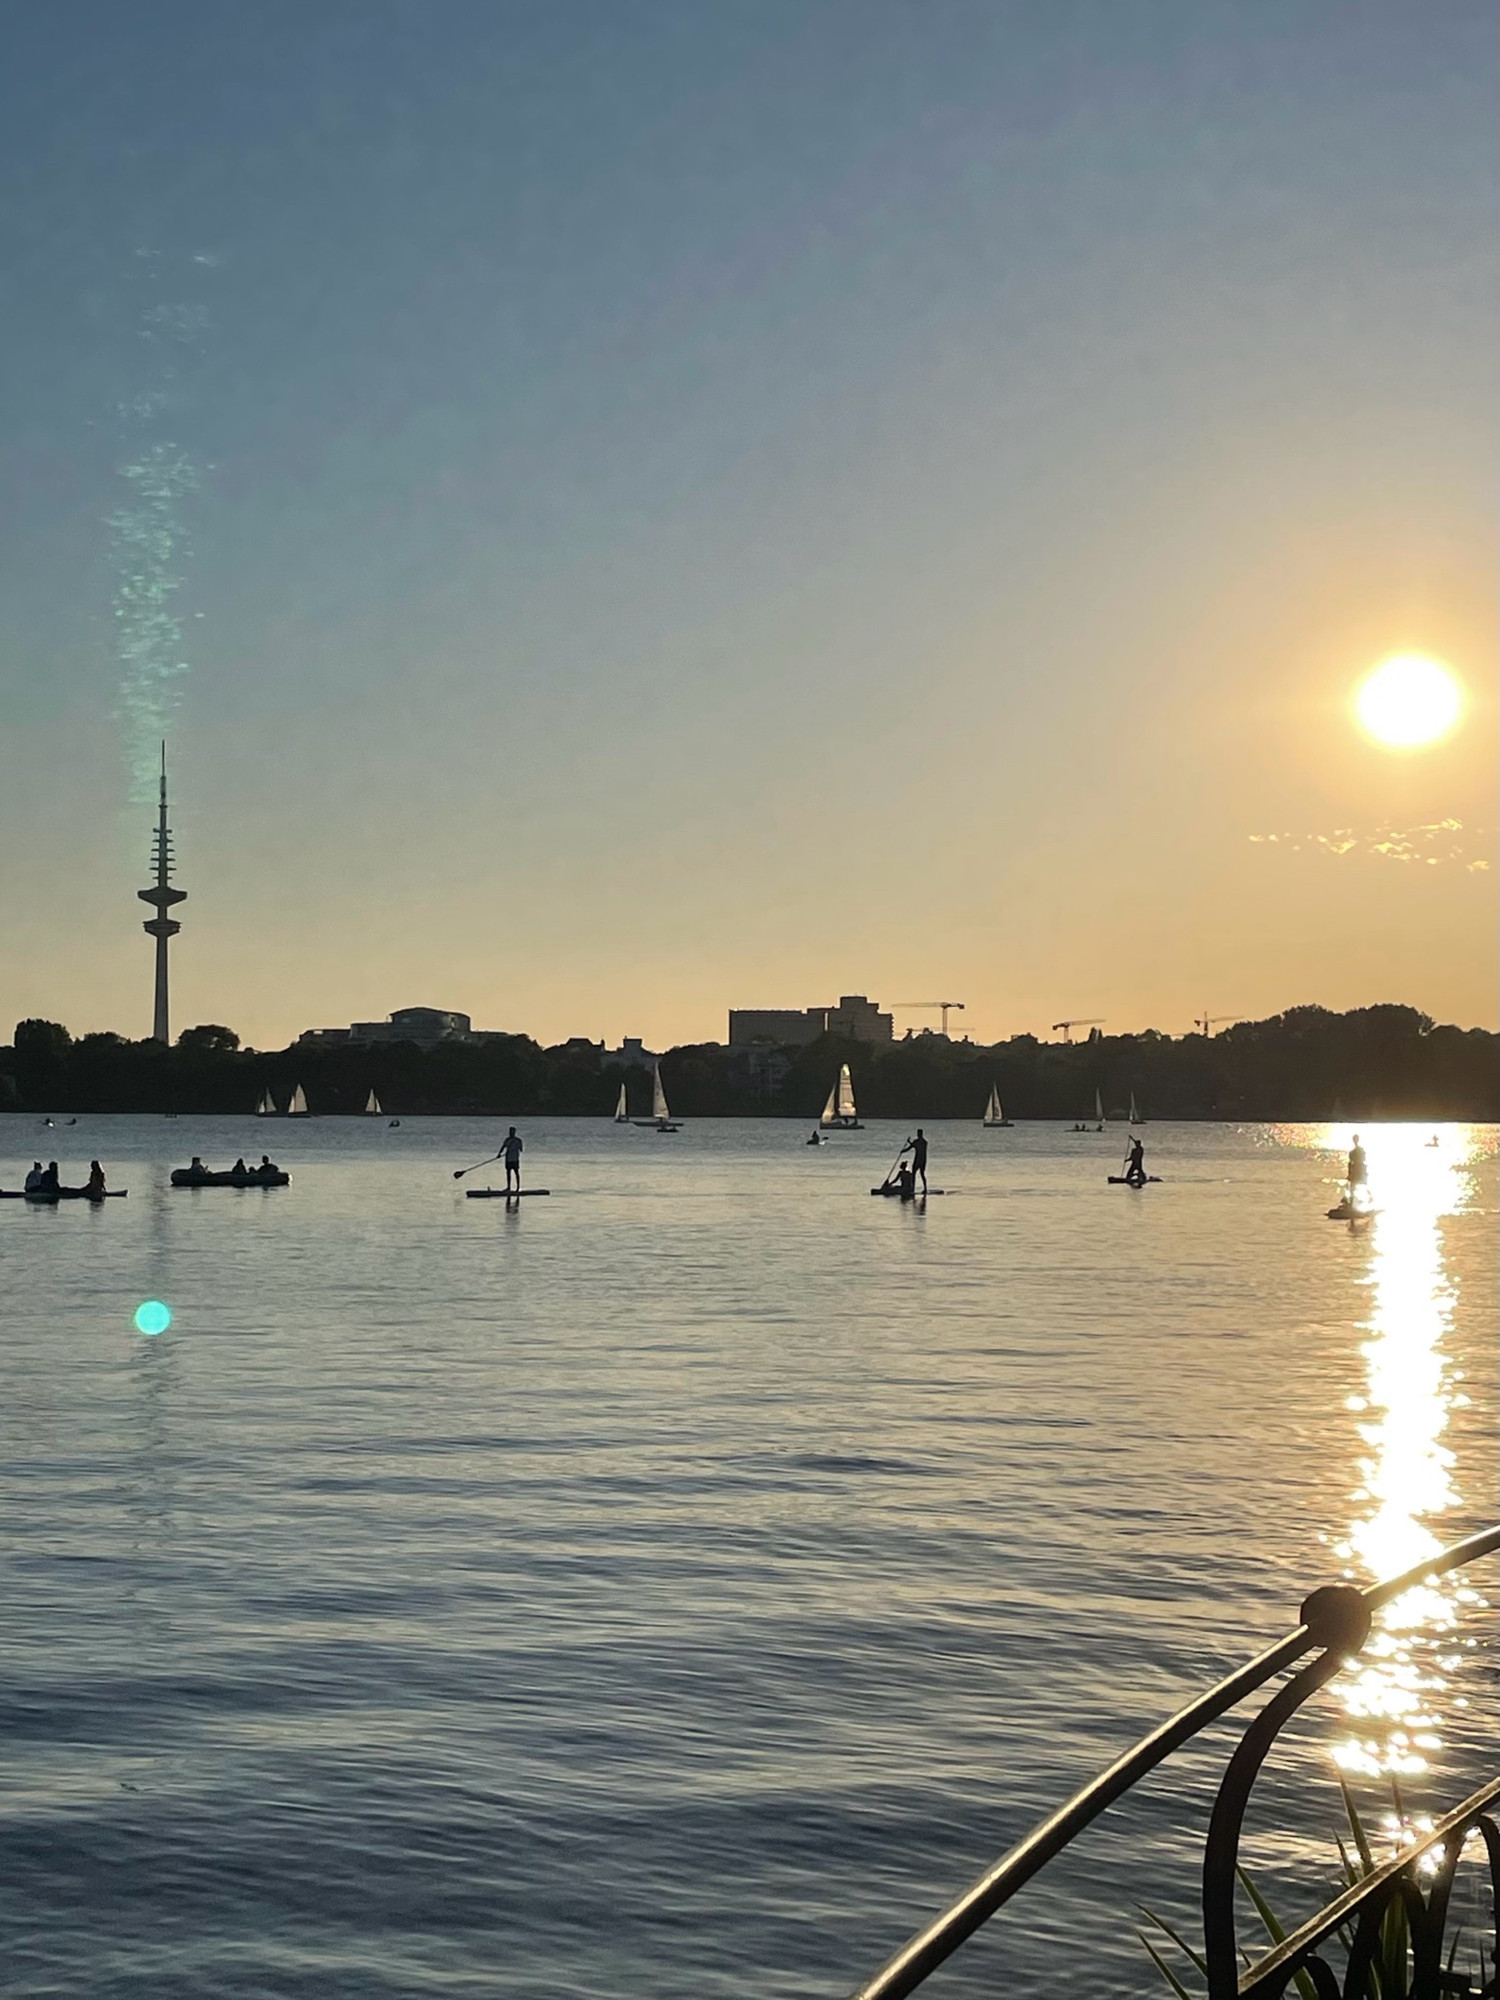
(148, 538)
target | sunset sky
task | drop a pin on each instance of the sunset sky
(707, 504)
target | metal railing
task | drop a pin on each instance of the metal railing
(1335, 1624)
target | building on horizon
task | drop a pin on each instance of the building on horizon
(856, 1018)
(631, 1054)
(425, 1026)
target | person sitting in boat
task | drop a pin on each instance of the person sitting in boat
(48, 1184)
(94, 1185)
(1135, 1163)
(196, 1166)
(33, 1182)
(1358, 1168)
(267, 1165)
(239, 1167)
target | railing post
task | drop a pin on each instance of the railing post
(1338, 1618)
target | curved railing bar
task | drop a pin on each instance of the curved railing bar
(925, 1952)
(1269, 1975)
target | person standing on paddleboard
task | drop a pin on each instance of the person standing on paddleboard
(1358, 1170)
(1135, 1163)
(918, 1149)
(511, 1152)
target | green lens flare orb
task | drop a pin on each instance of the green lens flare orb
(153, 1317)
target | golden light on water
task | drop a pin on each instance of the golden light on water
(1408, 702)
(1394, 1699)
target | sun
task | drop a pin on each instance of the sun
(1408, 702)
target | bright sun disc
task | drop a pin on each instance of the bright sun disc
(1408, 702)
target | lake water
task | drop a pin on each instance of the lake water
(685, 1583)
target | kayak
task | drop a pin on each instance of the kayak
(63, 1194)
(187, 1177)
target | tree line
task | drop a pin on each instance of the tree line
(1307, 1063)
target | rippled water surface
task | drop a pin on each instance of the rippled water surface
(683, 1584)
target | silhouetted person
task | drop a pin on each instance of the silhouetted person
(94, 1185)
(48, 1184)
(239, 1166)
(267, 1165)
(1358, 1172)
(906, 1182)
(196, 1166)
(1135, 1163)
(918, 1150)
(33, 1182)
(511, 1152)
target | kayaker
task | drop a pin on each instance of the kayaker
(94, 1185)
(511, 1152)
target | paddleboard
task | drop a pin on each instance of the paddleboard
(895, 1193)
(501, 1194)
(1344, 1213)
(1124, 1180)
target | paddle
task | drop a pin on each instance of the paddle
(459, 1172)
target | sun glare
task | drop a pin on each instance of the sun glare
(1408, 702)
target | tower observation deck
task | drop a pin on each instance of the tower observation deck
(161, 895)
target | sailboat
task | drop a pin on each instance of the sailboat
(622, 1113)
(1098, 1112)
(1135, 1116)
(298, 1106)
(372, 1106)
(839, 1114)
(267, 1106)
(661, 1118)
(994, 1117)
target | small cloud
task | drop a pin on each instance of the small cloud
(1430, 844)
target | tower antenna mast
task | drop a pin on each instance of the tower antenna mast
(161, 895)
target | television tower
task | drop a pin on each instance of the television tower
(163, 896)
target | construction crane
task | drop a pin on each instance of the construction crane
(1206, 1023)
(1067, 1027)
(944, 1007)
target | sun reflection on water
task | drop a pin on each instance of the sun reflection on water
(1394, 1700)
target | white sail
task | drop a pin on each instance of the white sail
(298, 1106)
(372, 1106)
(993, 1114)
(267, 1106)
(1135, 1116)
(622, 1115)
(659, 1109)
(846, 1092)
(1098, 1108)
(831, 1108)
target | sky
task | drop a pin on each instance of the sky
(624, 512)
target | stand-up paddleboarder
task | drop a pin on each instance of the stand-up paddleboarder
(1358, 1166)
(511, 1152)
(918, 1149)
(1135, 1163)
